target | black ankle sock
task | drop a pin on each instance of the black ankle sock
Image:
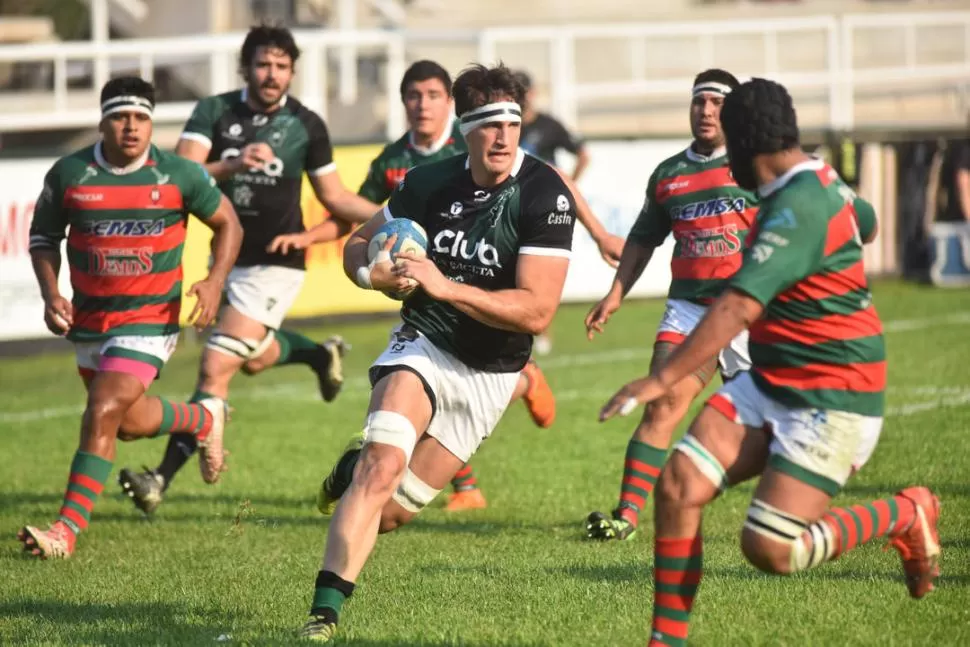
(177, 453)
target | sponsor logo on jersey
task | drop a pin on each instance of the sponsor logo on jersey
(710, 243)
(160, 178)
(117, 261)
(562, 203)
(273, 168)
(394, 177)
(124, 227)
(481, 196)
(242, 195)
(87, 197)
(455, 209)
(454, 244)
(707, 208)
(559, 219)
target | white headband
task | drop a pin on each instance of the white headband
(711, 86)
(489, 113)
(128, 103)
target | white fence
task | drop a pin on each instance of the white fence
(855, 53)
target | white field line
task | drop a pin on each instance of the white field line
(358, 387)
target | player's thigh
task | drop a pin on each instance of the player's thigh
(726, 444)
(111, 394)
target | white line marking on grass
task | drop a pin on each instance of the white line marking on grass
(303, 391)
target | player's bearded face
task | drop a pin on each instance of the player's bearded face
(427, 105)
(269, 75)
(494, 145)
(126, 134)
(705, 119)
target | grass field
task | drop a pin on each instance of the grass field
(239, 558)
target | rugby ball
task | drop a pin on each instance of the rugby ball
(411, 237)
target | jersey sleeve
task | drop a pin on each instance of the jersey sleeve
(374, 186)
(407, 200)
(47, 229)
(652, 225)
(199, 191)
(201, 124)
(865, 217)
(547, 221)
(565, 139)
(319, 152)
(787, 248)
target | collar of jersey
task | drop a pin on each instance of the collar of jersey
(694, 156)
(808, 165)
(516, 166)
(120, 170)
(244, 94)
(437, 145)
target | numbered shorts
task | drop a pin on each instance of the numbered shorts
(467, 403)
(264, 292)
(140, 356)
(820, 447)
(679, 320)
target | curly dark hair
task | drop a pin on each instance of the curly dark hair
(478, 85)
(759, 117)
(268, 36)
(128, 86)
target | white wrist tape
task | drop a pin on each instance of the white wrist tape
(363, 273)
(363, 277)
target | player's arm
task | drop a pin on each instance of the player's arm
(46, 233)
(545, 240)
(961, 178)
(780, 256)
(610, 246)
(208, 204)
(649, 231)
(342, 203)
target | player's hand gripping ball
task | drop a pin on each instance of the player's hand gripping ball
(411, 238)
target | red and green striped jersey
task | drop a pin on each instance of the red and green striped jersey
(126, 232)
(696, 198)
(819, 343)
(388, 168)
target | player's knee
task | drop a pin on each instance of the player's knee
(380, 468)
(766, 555)
(103, 408)
(680, 486)
(254, 366)
(411, 496)
(772, 539)
(126, 435)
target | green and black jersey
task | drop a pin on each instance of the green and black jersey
(388, 169)
(476, 236)
(267, 200)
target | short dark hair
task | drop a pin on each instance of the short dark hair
(268, 36)
(478, 85)
(422, 71)
(717, 75)
(759, 117)
(128, 86)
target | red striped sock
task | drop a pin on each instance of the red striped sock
(676, 576)
(185, 417)
(464, 479)
(641, 469)
(842, 529)
(88, 474)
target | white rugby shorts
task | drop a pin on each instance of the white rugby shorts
(264, 293)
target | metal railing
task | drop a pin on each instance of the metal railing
(840, 77)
